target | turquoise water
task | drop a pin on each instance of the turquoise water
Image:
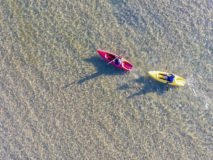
(60, 100)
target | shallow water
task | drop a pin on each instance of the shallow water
(60, 100)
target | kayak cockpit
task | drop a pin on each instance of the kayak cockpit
(110, 57)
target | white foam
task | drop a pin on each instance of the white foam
(198, 93)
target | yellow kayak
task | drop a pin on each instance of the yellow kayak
(160, 76)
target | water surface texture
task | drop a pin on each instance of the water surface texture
(60, 100)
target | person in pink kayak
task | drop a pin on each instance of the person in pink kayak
(118, 61)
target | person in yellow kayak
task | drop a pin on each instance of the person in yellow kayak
(169, 77)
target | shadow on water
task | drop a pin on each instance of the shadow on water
(102, 67)
(149, 85)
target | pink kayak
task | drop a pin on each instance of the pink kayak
(115, 60)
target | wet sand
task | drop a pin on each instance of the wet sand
(60, 100)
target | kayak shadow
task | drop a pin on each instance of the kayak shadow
(149, 85)
(102, 67)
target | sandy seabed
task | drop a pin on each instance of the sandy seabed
(60, 100)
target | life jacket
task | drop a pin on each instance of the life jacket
(117, 61)
(170, 79)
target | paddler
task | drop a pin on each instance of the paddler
(170, 77)
(118, 61)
